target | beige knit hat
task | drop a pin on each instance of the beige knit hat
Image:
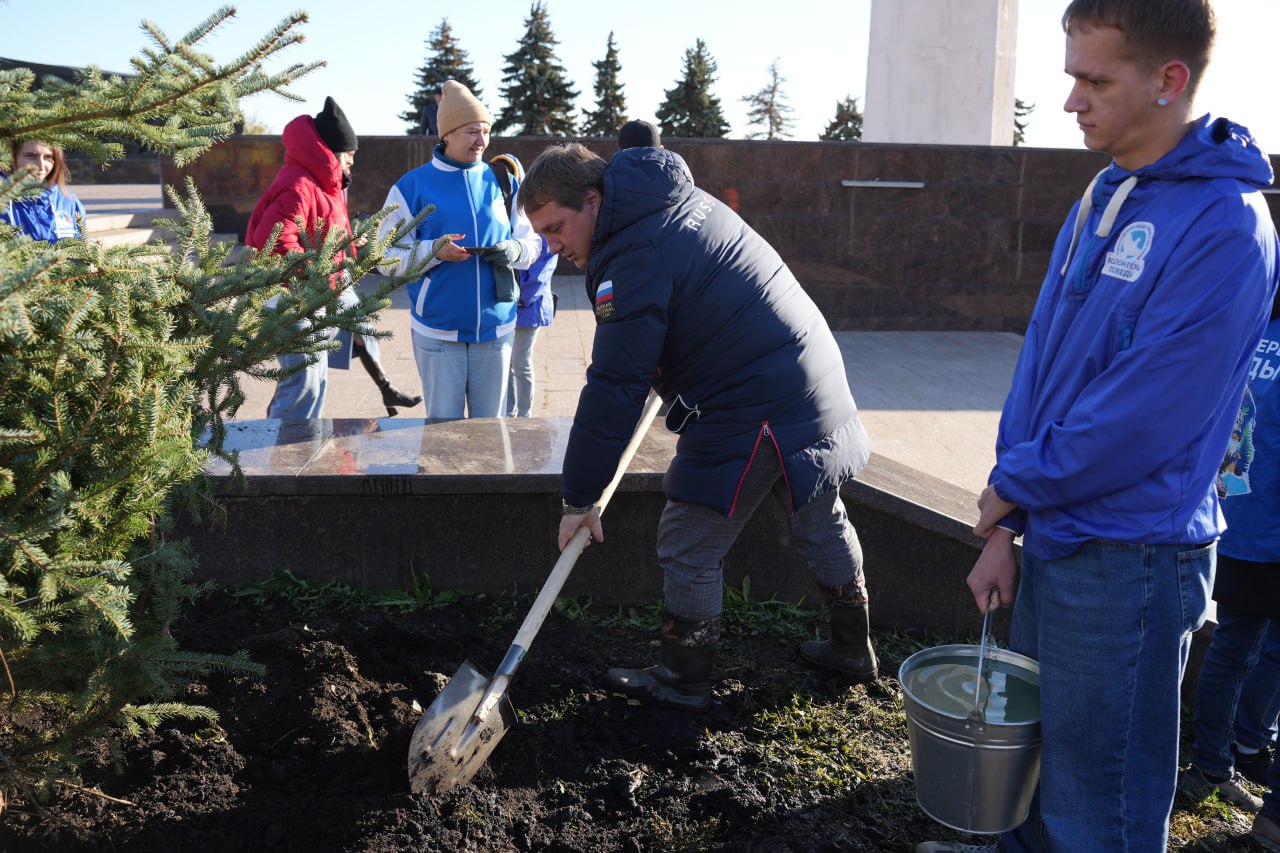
(458, 107)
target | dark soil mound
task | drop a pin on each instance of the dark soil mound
(313, 757)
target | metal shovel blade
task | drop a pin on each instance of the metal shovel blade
(449, 745)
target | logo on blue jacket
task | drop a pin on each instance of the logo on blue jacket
(1233, 476)
(1124, 261)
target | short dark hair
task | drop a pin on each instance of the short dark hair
(562, 173)
(1158, 31)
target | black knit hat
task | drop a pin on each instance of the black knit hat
(639, 134)
(334, 129)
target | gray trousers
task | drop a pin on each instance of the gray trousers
(693, 539)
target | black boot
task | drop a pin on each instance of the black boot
(849, 651)
(683, 678)
(391, 395)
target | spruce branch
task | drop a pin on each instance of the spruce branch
(118, 366)
(178, 101)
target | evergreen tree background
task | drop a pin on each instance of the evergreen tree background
(847, 124)
(690, 109)
(611, 104)
(538, 93)
(1021, 114)
(768, 108)
(118, 366)
(446, 61)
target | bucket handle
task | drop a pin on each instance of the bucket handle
(978, 715)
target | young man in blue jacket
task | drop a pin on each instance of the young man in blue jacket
(1122, 404)
(689, 300)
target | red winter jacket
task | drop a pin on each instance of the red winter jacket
(309, 185)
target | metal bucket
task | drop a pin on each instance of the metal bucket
(974, 771)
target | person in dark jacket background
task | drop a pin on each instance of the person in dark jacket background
(319, 152)
(430, 110)
(689, 300)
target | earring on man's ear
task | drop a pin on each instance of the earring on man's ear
(1164, 102)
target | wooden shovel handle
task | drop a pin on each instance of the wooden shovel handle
(560, 572)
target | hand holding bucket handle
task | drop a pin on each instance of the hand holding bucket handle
(996, 568)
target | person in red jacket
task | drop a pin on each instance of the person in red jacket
(319, 152)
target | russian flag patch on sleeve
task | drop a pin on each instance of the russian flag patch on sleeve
(604, 301)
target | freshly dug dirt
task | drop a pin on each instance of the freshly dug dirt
(313, 756)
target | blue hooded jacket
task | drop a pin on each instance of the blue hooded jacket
(50, 216)
(690, 300)
(1135, 360)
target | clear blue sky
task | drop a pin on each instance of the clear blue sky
(373, 49)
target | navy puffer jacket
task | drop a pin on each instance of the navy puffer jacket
(690, 300)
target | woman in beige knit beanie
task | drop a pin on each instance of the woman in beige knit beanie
(458, 107)
(463, 311)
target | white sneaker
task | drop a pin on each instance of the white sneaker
(955, 847)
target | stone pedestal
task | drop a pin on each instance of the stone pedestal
(940, 72)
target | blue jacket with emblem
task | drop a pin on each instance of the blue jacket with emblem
(50, 216)
(1135, 360)
(1249, 481)
(457, 301)
(691, 301)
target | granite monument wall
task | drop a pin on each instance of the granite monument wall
(901, 237)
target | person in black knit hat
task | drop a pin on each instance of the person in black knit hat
(311, 186)
(639, 134)
(334, 129)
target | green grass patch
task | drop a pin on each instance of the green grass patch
(746, 616)
(311, 596)
(742, 615)
(825, 746)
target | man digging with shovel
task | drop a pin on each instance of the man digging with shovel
(689, 300)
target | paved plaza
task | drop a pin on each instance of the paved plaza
(930, 400)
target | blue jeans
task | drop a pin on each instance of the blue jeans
(520, 391)
(1111, 626)
(1238, 694)
(301, 395)
(462, 380)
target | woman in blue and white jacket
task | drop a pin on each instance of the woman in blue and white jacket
(53, 215)
(463, 311)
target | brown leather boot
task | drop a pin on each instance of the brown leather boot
(849, 651)
(683, 676)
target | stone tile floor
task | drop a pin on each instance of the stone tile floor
(930, 400)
